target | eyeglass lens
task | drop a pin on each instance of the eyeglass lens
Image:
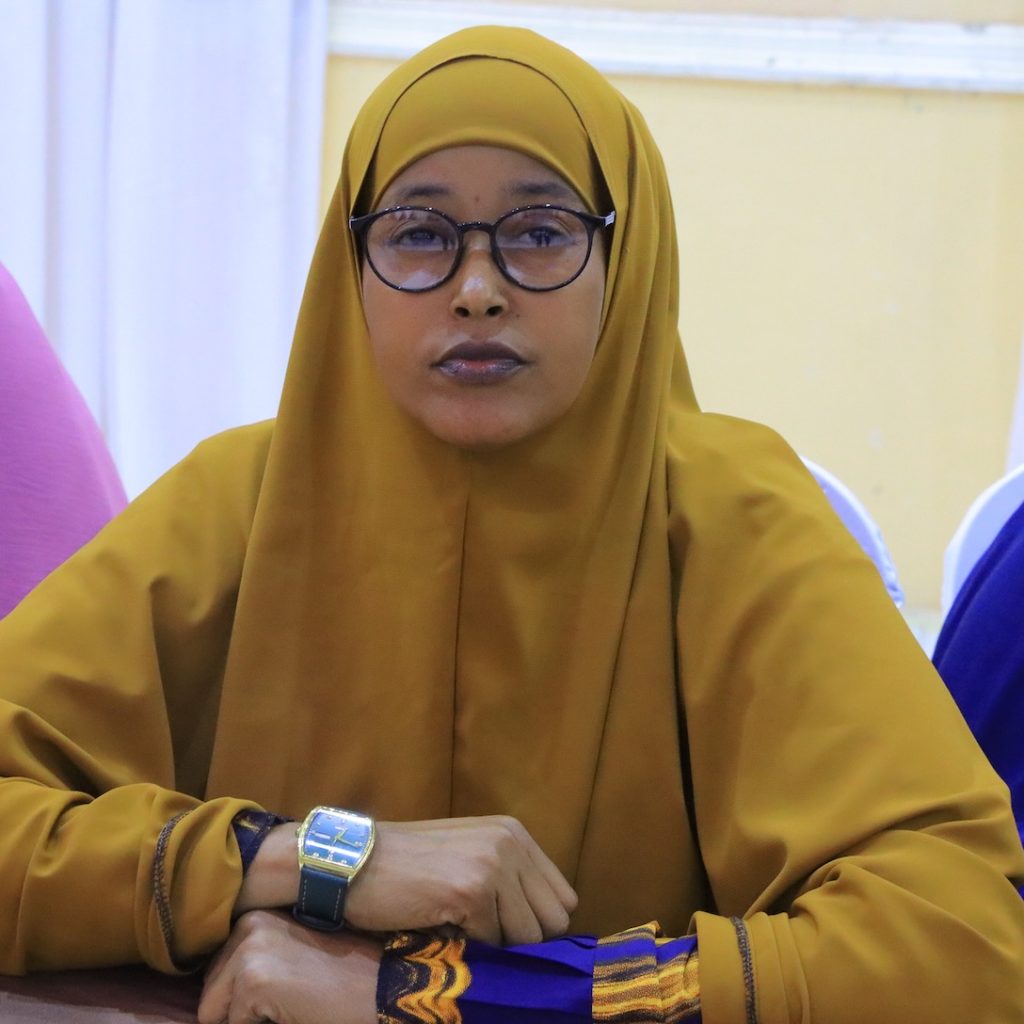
(415, 249)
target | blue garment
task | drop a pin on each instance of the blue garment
(980, 655)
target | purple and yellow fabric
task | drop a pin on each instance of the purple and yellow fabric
(633, 976)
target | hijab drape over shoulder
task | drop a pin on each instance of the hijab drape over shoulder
(641, 631)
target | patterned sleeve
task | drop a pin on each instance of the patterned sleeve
(633, 977)
(250, 828)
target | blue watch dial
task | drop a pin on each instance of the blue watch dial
(333, 846)
(337, 841)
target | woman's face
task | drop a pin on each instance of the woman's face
(480, 361)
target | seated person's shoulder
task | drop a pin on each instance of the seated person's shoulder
(223, 472)
(233, 459)
(243, 447)
(717, 455)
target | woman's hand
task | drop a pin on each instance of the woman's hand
(486, 876)
(274, 969)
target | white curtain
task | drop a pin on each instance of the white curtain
(159, 179)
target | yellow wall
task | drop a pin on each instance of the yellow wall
(1009, 11)
(853, 274)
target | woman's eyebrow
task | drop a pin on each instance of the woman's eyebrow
(419, 191)
(517, 190)
(551, 189)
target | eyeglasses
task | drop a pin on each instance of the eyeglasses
(539, 248)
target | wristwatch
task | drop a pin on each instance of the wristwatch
(333, 847)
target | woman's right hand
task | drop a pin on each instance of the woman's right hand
(485, 876)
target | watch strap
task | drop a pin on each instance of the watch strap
(321, 903)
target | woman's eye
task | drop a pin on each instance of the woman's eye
(544, 236)
(418, 238)
(536, 233)
(414, 231)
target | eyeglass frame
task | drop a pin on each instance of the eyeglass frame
(591, 221)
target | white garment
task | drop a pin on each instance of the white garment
(159, 179)
(1015, 449)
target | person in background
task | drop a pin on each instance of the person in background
(980, 655)
(58, 484)
(586, 704)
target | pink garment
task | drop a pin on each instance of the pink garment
(58, 484)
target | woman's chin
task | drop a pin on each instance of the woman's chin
(480, 432)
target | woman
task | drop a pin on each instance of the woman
(493, 580)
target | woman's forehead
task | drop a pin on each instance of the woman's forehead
(494, 171)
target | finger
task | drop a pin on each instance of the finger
(219, 982)
(221, 968)
(215, 999)
(215, 969)
(252, 993)
(241, 1013)
(542, 863)
(485, 924)
(546, 905)
(519, 924)
(560, 887)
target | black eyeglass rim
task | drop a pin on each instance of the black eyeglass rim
(592, 221)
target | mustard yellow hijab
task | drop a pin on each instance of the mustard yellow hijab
(449, 633)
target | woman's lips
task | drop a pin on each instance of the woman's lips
(480, 362)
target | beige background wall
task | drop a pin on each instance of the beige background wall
(853, 269)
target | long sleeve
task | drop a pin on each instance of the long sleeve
(858, 847)
(636, 976)
(109, 686)
(860, 852)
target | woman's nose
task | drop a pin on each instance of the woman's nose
(480, 287)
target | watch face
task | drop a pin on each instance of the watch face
(337, 842)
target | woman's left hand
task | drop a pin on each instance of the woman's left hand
(274, 969)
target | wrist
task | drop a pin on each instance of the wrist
(250, 828)
(273, 877)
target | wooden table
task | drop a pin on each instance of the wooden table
(123, 995)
